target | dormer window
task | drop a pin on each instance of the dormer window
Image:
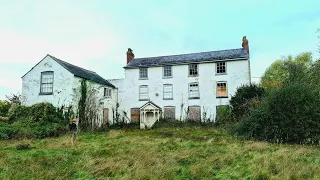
(46, 86)
(143, 73)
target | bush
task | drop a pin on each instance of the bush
(224, 117)
(4, 108)
(289, 114)
(241, 102)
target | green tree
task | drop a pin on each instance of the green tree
(280, 70)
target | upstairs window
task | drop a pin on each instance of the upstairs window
(222, 89)
(193, 69)
(143, 93)
(143, 73)
(167, 91)
(221, 68)
(167, 71)
(46, 86)
(107, 92)
(194, 91)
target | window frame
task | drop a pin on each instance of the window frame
(189, 85)
(41, 83)
(189, 70)
(168, 92)
(219, 82)
(146, 93)
(141, 73)
(225, 67)
(106, 94)
(164, 74)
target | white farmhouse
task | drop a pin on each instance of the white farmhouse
(56, 81)
(187, 86)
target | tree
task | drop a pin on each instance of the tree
(280, 70)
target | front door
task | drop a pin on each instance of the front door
(105, 117)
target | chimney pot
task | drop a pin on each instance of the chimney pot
(130, 55)
(245, 44)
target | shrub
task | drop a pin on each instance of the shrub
(4, 108)
(289, 114)
(224, 117)
(241, 102)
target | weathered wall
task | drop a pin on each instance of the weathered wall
(62, 85)
(237, 74)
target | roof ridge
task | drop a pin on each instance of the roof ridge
(71, 64)
(189, 53)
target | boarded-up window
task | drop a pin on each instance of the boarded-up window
(222, 89)
(135, 115)
(169, 112)
(194, 113)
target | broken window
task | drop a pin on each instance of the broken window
(194, 91)
(143, 73)
(46, 86)
(107, 92)
(222, 89)
(167, 71)
(221, 67)
(193, 69)
(167, 91)
(143, 92)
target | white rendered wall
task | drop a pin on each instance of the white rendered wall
(237, 75)
(62, 85)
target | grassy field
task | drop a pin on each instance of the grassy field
(180, 153)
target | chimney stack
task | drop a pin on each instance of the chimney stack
(245, 44)
(130, 55)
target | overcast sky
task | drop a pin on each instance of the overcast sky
(96, 34)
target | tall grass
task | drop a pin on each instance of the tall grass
(164, 153)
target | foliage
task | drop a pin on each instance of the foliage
(163, 153)
(4, 108)
(37, 121)
(241, 102)
(278, 72)
(224, 116)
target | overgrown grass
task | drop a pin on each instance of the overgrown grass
(163, 153)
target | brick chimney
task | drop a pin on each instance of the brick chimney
(130, 55)
(245, 44)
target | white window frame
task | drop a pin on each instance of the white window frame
(166, 70)
(189, 91)
(192, 66)
(107, 92)
(146, 93)
(44, 83)
(221, 82)
(168, 92)
(143, 73)
(218, 64)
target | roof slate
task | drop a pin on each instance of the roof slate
(189, 58)
(83, 73)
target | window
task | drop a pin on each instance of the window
(222, 89)
(167, 91)
(143, 72)
(107, 92)
(221, 67)
(46, 86)
(143, 93)
(167, 71)
(193, 69)
(194, 91)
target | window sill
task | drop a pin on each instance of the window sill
(168, 77)
(222, 97)
(194, 98)
(143, 99)
(218, 74)
(42, 94)
(143, 78)
(193, 75)
(168, 99)
(108, 97)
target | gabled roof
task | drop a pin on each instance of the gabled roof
(211, 56)
(80, 72)
(150, 103)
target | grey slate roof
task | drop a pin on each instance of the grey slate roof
(83, 73)
(189, 58)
